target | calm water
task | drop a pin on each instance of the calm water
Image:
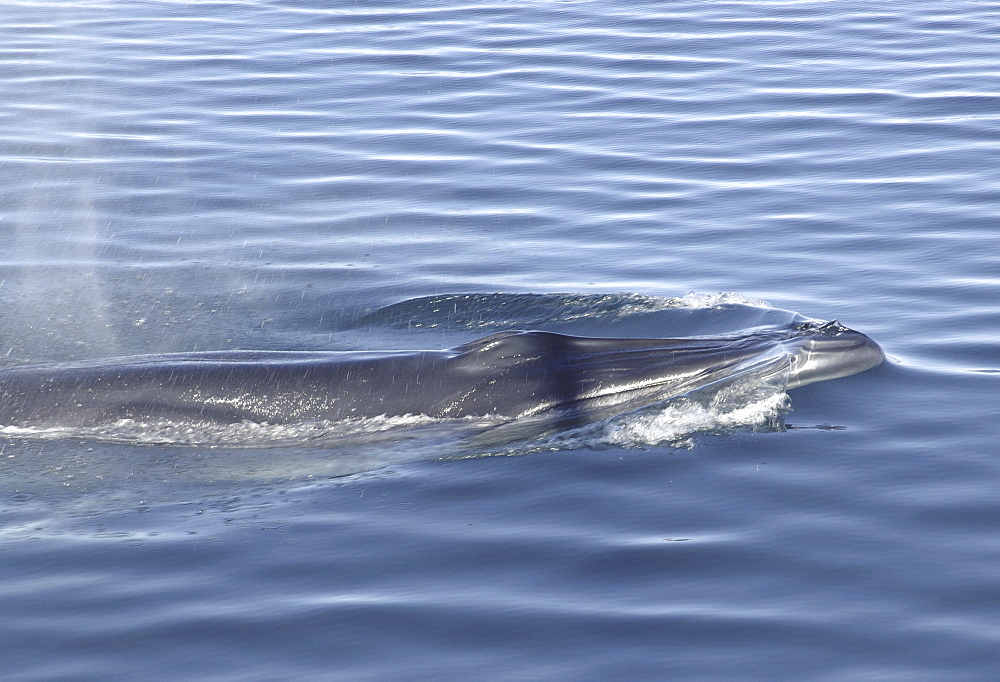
(196, 176)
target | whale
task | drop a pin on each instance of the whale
(507, 376)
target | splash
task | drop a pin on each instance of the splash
(749, 403)
(674, 423)
(722, 298)
(245, 434)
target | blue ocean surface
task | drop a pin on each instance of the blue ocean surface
(201, 176)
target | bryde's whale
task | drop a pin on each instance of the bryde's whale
(505, 376)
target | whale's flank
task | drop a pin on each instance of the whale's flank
(506, 376)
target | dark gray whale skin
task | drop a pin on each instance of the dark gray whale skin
(509, 375)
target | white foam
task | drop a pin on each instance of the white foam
(751, 403)
(675, 422)
(696, 300)
(245, 434)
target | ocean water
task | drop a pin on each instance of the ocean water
(188, 176)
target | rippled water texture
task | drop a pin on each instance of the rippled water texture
(181, 177)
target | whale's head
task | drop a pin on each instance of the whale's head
(829, 351)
